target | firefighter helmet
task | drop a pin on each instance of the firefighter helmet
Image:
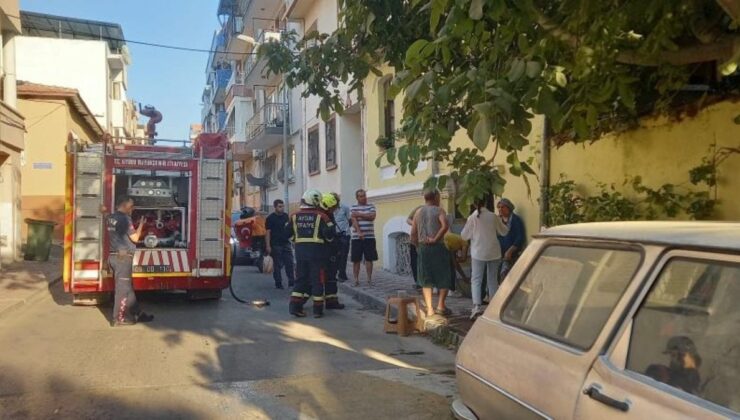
(312, 197)
(328, 201)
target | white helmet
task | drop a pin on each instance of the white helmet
(312, 197)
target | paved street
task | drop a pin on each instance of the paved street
(216, 360)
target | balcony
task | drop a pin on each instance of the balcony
(237, 89)
(254, 67)
(265, 129)
(298, 9)
(221, 82)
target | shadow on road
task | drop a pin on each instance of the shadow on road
(63, 399)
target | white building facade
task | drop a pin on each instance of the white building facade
(76, 57)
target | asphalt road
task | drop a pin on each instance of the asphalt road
(216, 359)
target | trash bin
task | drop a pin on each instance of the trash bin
(38, 245)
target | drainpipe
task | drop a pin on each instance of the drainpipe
(545, 174)
(9, 83)
(286, 158)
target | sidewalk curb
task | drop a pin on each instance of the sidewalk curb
(443, 335)
(30, 298)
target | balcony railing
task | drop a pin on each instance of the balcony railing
(269, 118)
(221, 119)
(263, 36)
(237, 89)
(222, 78)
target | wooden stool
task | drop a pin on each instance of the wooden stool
(403, 326)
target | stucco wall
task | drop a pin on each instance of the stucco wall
(49, 123)
(661, 152)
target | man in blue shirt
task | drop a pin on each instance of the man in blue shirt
(342, 218)
(512, 243)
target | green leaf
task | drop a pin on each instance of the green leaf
(403, 155)
(324, 111)
(560, 79)
(497, 9)
(534, 69)
(438, 8)
(517, 70)
(523, 43)
(442, 181)
(369, 21)
(416, 87)
(379, 160)
(528, 169)
(430, 183)
(476, 10)
(414, 52)
(626, 95)
(482, 133)
(498, 186)
(546, 103)
(390, 155)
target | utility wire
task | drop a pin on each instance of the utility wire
(154, 44)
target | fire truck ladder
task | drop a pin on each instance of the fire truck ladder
(212, 205)
(88, 221)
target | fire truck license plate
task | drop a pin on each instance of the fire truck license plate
(153, 269)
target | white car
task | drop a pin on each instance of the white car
(616, 320)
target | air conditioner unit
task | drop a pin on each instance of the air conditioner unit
(258, 154)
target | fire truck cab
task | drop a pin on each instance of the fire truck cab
(182, 194)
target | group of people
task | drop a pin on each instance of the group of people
(495, 243)
(324, 233)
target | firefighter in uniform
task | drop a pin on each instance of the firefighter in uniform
(122, 237)
(312, 230)
(329, 204)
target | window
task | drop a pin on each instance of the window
(685, 334)
(270, 173)
(313, 151)
(331, 143)
(291, 163)
(570, 292)
(389, 117)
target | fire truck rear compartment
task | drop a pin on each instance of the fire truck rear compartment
(162, 199)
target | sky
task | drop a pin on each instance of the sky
(170, 80)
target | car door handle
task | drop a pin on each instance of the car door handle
(594, 391)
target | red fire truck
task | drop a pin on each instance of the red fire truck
(183, 194)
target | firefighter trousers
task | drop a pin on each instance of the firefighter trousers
(125, 306)
(308, 283)
(330, 283)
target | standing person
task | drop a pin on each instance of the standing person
(480, 229)
(512, 243)
(427, 233)
(278, 235)
(122, 237)
(363, 237)
(312, 230)
(329, 275)
(342, 218)
(413, 256)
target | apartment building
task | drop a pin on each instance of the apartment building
(86, 55)
(283, 146)
(12, 136)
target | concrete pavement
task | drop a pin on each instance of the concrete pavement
(449, 331)
(21, 282)
(217, 359)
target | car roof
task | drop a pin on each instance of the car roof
(724, 235)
